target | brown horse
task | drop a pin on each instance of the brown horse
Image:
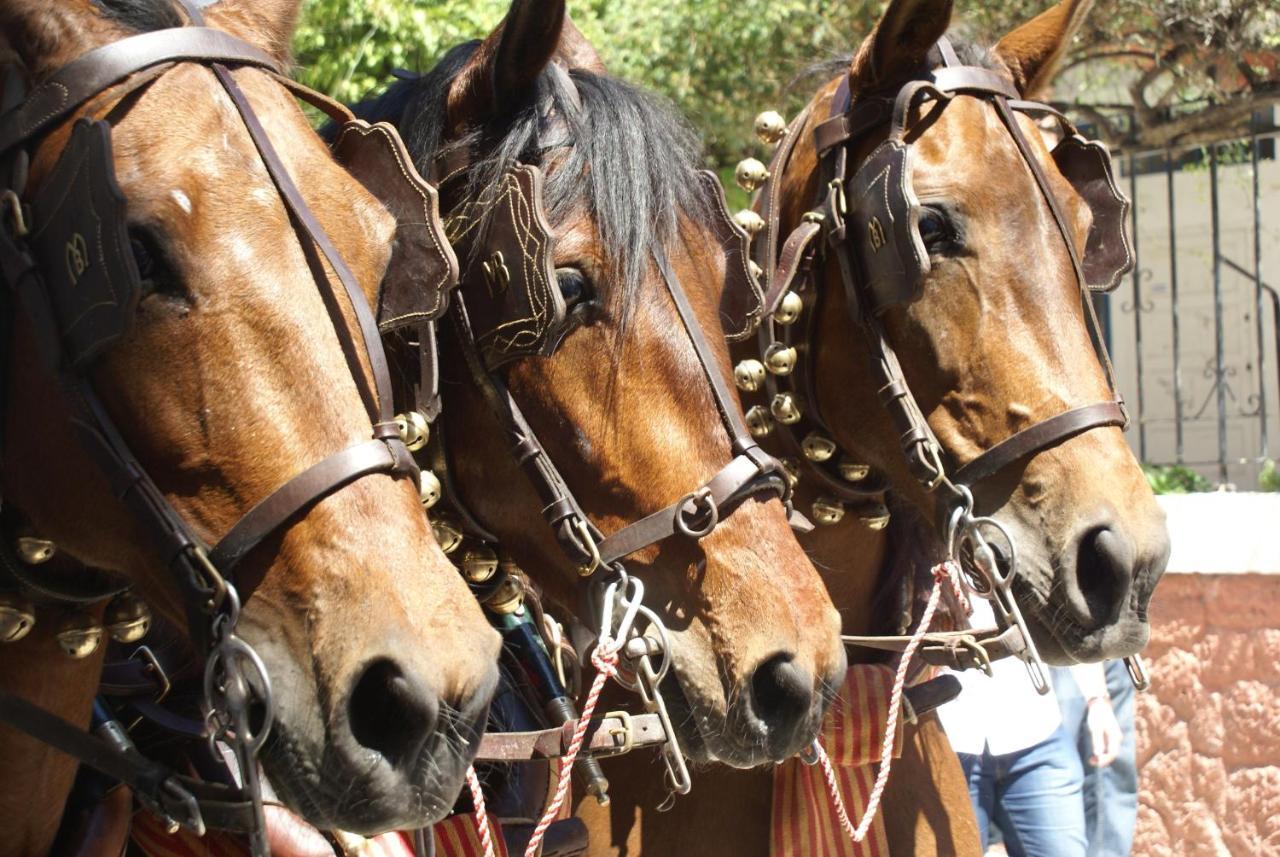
(231, 382)
(622, 406)
(993, 344)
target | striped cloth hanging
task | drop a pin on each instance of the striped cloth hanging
(804, 822)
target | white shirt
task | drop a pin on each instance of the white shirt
(1002, 713)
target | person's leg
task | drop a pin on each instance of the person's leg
(1037, 800)
(1072, 705)
(981, 789)
(1114, 796)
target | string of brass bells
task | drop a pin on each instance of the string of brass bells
(126, 618)
(779, 359)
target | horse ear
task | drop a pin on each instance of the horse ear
(897, 47)
(576, 52)
(1033, 51)
(267, 24)
(504, 70)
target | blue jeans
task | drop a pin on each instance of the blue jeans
(1110, 793)
(1032, 796)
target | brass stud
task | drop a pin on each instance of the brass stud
(128, 618)
(759, 423)
(874, 516)
(429, 489)
(448, 534)
(414, 430)
(788, 309)
(827, 511)
(817, 448)
(779, 359)
(770, 127)
(17, 617)
(785, 409)
(748, 375)
(852, 471)
(34, 551)
(791, 468)
(479, 564)
(750, 174)
(756, 270)
(751, 223)
(79, 635)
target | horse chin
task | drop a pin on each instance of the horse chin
(1062, 641)
(360, 791)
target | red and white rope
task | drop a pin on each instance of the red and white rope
(942, 571)
(606, 663)
(482, 814)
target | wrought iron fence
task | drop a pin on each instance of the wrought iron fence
(1194, 328)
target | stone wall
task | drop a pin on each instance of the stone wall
(1209, 729)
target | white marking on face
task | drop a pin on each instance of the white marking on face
(183, 201)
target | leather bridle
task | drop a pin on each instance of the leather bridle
(790, 270)
(234, 676)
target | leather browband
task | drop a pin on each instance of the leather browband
(89, 75)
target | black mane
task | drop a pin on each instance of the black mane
(969, 52)
(631, 158)
(142, 16)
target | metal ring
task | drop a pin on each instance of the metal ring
(699, 497)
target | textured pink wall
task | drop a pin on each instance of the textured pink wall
(1209, 728)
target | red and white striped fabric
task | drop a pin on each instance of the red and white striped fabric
(459, 836)
(804, 820)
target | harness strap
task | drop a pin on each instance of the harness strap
(613, 734)
(88, 75)
(1039, 437)
(957, 650)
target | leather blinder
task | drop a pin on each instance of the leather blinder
(422, 270)
(80, 240)
(883, 226)
(512, 297)
(742, 298)
(1108, 251)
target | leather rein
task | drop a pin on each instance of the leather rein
(234, 675)
(791, 267)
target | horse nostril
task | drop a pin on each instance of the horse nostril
(1103, 572)
(391, 714)
(781, 694)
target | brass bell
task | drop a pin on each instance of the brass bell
(479, 564)
(816, 447)
(34, 551)
(759, 423)
(17, 617)
(748, 375)
(779, 359)
(508, 598)
(414, 430)
(128, 618)
(874, 516)
(851, 471)
(429, 489)
(788, 309)
(827, 511)
(448, 534)
(750, 222)
(750, 174)
(756, 270)
(770, 127)
(79, 635)
(791, 467)
(785, 409)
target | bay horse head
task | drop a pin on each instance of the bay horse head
(577, 316)
(972, 243)
(231, 380)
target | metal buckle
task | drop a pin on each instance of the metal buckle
(174, 806)
(627, 732)
(978, 656)
(153, 664)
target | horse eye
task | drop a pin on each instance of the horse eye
(574, 287)
(935, 229)
(143, 256)
(153, 269)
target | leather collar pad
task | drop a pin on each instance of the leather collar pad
(422, 269)
(81, 243)
(882, 223)
(512, 297)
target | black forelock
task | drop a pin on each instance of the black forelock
(142, 16)
(628, 156)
